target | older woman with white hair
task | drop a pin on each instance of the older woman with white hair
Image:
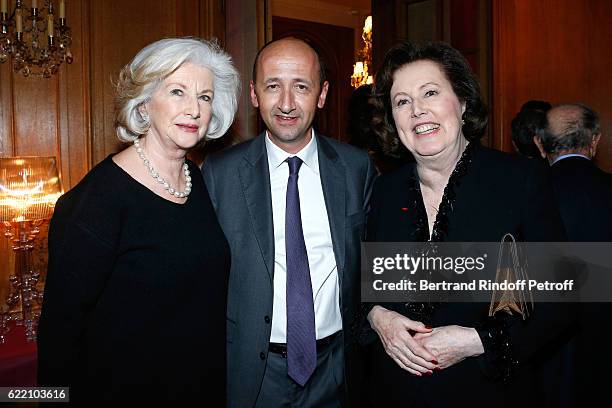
(135, 296)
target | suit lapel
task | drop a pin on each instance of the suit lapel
(333, 180)
(255, 178)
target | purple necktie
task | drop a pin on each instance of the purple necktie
(301, 335)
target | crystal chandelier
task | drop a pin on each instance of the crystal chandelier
(22, 37)
(361, 75)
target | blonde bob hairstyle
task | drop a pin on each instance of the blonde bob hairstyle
(139, 79)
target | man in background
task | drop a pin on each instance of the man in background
(584, 192)
(584, 197)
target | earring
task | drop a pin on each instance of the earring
(462, 122)
(144, 116)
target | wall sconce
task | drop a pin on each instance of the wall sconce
(22, 35)
(29, 188)
(361, 75)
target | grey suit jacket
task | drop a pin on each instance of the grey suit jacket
(238, 181)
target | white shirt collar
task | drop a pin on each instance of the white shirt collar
(308, 154)
(565, 156)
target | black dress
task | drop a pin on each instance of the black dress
(135, 297)
(489, 194)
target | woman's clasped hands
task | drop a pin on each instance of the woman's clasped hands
(420, 349)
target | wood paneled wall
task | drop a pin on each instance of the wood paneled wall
(335, 47)
(555, 50)
(462, 23)
(70, 115)
(347, 13)
(248, 27)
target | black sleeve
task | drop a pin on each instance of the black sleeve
(366, 334)
(373, 211)
(80, 262)
(509, 342)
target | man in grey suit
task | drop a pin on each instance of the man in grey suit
(292, 204)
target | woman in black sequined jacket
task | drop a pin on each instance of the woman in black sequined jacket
(427, 103)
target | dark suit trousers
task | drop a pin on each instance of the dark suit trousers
(324, 389)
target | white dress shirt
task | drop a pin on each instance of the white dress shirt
(317, 236)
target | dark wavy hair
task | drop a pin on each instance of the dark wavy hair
(529, 122)
(457, 71)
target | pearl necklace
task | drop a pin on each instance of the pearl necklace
(160, 179)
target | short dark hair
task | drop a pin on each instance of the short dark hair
(529, 122)
(575, 135)
(457, 71)
(359, 118)
(536, 105)
(322, 76)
